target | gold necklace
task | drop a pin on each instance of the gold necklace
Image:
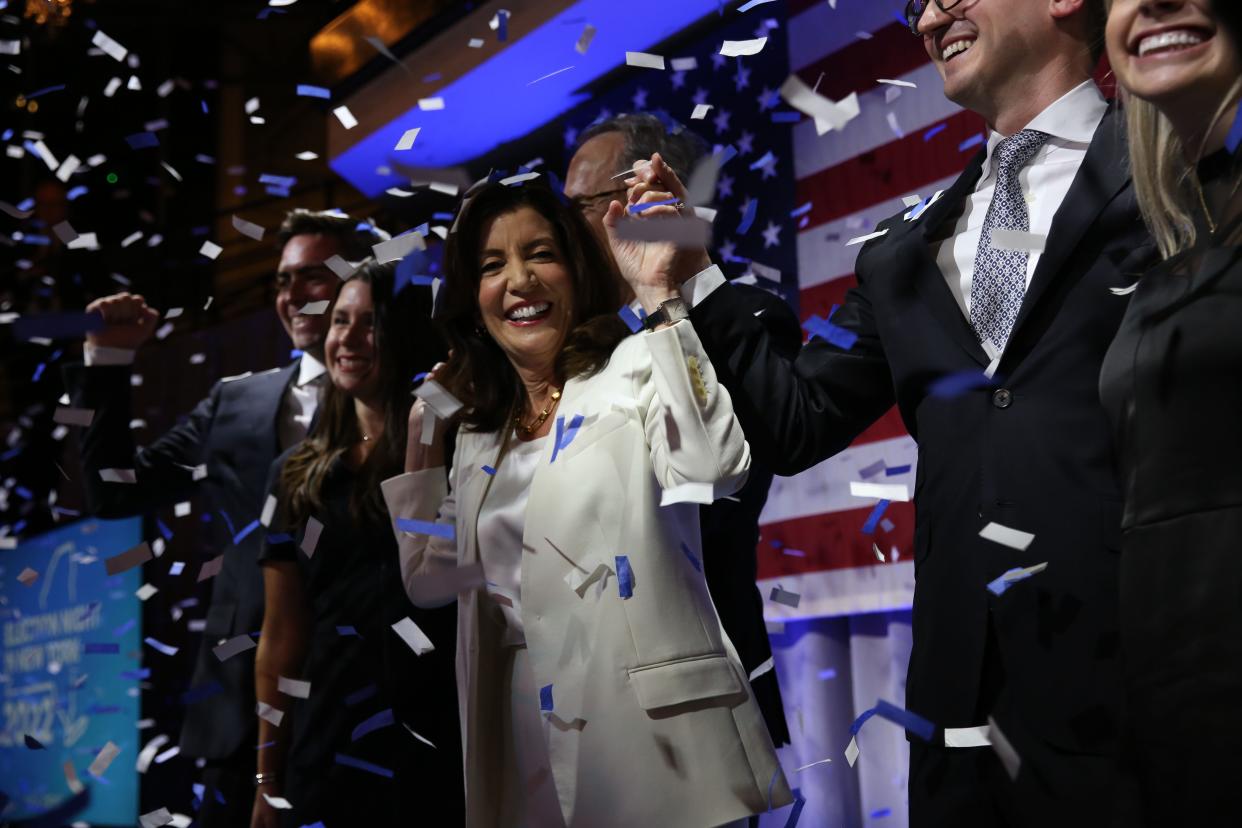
(528, 430)
(1203, 203)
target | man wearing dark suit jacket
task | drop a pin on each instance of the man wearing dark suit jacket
(729, 528)
(223, 449)
(990, 344)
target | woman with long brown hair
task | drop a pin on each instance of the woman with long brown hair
(344, 674)
(596, 685)
(1171, 385)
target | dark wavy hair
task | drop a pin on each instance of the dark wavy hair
(407, 344)
(479, 374)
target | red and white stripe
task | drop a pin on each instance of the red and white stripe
(812, 541)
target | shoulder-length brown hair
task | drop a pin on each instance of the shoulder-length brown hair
(406, 344)
(479, 374)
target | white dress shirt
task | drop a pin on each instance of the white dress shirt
(296, 411)
(1071, 122)
(501, 525)
(301, 400)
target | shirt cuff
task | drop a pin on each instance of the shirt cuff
(699, 286)
(103, 355)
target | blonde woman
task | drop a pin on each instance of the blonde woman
(1171, 384)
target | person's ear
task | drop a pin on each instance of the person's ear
(1063, 9)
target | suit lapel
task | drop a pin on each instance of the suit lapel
(268, 399)
(915, 245)
(1102, 176)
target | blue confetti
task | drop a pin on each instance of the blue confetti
(346, 630)
(625, 577)
(381, 719)
(44, 91)
(750, 4)
(834, 334)
(308, 91)
(786, 117)
(956, 384)
(502, 29)
(77, 192)
(228, 522)
(934, 131)
(423, 527)
(565, 436)
(124, 628)
(685, 550)
(861, 720)
(972, 142)
(1234, 139)
(279, 180)
(142, 140)
(489, 470)
(912, 722)
(360, 695)
(296, 353)
(795, 813)
(265, 745)
(245, 532)
(768, 158)
(38, 371)
(177, 568)
(727, 154)
(748, 218)
(102, 647)
(545, 698)
(279, 537)
(893, 471)
(881, 813)
(164, 530)
(801, 211)
(825, 675)
(349, 761)
(634, 209)
(630, 319)
(102, 709)
(137, 675)
(873, 519)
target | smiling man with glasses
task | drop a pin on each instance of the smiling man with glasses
(985, 317)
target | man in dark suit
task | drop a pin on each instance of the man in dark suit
(730, 528)
(223, 450)
(984, 316)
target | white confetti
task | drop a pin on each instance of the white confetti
(269, 510)
(1005, 239)
(269, 713)
(415, 638)
(73, 416)
(438, 399)
(1123, 291)
(146, 591)
(147, 754)
(340, 267)
(851, 752)
(278, 802)
(394, 250)
(103, 759)
(247, 228)
(316, 308)
(117, 476)
(703, 493)
(686, 64)
(431, 104)
(741, 48)
(827, 114)
(236, 644)
(880, 491)
(346, 117)
(762, 668)
(866, 238)
(210, 249)
(110, 46)
(294, 687)
(643, 60)
(961, 737)
(407, 139)
(310, 538)
(1005, 536)
(906, 84)
(700, 111)
(28, 576)
(1004, 749)
(584, 39)
(784, 596)
(157, 818)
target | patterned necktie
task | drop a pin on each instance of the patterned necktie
(999, 281)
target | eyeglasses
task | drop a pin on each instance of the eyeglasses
(596, 202)
(915, 9)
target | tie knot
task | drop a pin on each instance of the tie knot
(1014, 152)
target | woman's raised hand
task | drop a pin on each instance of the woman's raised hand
(424, 452)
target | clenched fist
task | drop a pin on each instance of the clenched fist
(128, 321)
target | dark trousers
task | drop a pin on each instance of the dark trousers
(969, 787)
(228, 790)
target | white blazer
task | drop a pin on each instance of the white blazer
(653, 720)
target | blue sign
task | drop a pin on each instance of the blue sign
(71, 648)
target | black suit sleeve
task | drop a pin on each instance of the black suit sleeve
(164, 469)
(796, 411)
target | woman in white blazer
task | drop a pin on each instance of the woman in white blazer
(596, 687)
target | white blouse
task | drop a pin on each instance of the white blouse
(502, 524)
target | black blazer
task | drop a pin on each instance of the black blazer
(1032, 453)
(730, 531)
(234, 433)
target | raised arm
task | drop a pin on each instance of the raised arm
(164, 470)
(795, 412)
(688, 416)
(423, 494)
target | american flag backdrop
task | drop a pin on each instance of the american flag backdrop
(788, 203)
